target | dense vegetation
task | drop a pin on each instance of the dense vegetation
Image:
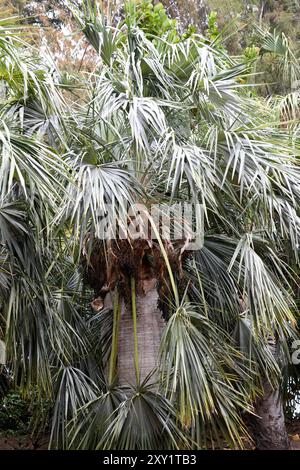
(151, 110)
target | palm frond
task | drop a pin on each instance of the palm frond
(195, 370)
(74, 389)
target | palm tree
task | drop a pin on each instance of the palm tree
(278, 61)
(37, 307)
(155, 78)
(156, 122)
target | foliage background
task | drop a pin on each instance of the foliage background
(62, 37)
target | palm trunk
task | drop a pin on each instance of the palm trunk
(268, 429)
(149, 329)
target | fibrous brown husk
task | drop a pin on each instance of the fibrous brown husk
(110, 263)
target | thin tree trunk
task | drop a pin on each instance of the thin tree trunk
(268, 429)
(149, 329)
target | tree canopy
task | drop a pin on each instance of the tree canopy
(163, 116)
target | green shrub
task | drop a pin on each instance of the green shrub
(14, 414)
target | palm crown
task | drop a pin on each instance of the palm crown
(156, 122)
